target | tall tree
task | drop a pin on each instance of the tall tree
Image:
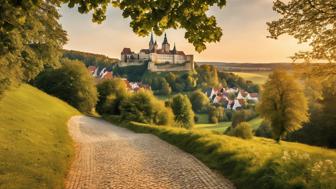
(283, 103)
(312, 21)
(30, 40)
(183, 111)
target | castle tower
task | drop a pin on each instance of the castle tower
(151, 42)
(165, 44)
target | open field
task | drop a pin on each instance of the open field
(257, 163)
(35, 146)
(257, 77)
(204, 124)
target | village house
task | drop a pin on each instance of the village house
(231, 98)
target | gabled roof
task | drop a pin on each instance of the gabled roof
(126, 51)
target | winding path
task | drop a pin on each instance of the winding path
(112, 157)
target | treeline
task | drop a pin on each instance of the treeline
(90, 59)
(202, 77)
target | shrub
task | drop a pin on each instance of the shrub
(145, 108)
(264, 130)
(111, 93)
(200, 102)
(71, 83)
(184, 115)
(243, 130)
(217, 114)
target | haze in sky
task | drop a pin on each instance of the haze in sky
(244, 34)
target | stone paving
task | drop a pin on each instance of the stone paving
(112, 157)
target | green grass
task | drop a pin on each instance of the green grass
(258, 163)
(35, 148)
(203, 123)
(257, 77)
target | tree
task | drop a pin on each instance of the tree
(310, 21)
(217, 114)
(30, 40)
(243, 130)
(183, 111)
(159, 15)
(200, 102)
(111, 94)
(145, 108)
(283, 103)
(71, 83)
(165, 88)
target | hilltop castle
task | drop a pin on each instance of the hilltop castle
(164, 59)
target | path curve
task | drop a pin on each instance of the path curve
(113, 157)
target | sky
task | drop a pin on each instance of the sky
(244, 35)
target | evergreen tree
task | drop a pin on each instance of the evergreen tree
(183, 111)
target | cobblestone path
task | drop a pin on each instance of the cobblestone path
(112, 157)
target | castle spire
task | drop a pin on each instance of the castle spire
(165, 40)
(174, 49)
(151, 39)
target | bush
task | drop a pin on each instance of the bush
(200, 102)
(243, 115)
(217, 114)
(184, 115)
(243, 130)
(71, 83)
(264, 130)
(145, 108)
(111, 94)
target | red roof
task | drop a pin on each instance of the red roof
(92, 68)
(126, 51)
(107, 75)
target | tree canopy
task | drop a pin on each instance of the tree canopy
(159, 15)
(283, 103)
(30, 39)
(312, 21)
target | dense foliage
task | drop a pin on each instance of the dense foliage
(200, 102)
(91, 59)
(145, 108)
(310, 21)
(111, 94)
(159, 15)
(71, 83)
(30, 40)
(184, 116)
(283, 103)
(243, 130)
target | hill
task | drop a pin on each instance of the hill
(35, 146)
(90, 59)
(247, 67)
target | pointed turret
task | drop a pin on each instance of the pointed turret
(165, 44)
(174, 49)
(165, 40)
(151, 42)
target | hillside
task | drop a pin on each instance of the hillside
(35, 146)
(90, 59)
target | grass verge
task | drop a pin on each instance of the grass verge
(257, 163)
(35, 146)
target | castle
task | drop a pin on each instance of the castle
(164, 59)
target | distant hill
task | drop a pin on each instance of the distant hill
(236, 67)
(90, 59)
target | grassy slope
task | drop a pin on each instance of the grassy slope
(257, 163)
(35, 146)
(203, 123)
(257, 77)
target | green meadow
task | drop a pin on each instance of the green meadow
(35, 146)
